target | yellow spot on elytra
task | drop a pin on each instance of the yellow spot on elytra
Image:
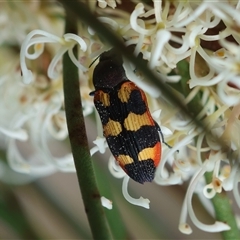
(112, 128)
(153, 153)
(146, 153)
(124, 159)
(104, 98)
(133, 121)
(124, 92)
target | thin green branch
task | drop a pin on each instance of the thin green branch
(79, 143)
(195, 103)
(224, 212)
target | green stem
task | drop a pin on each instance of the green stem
(79, 143)
(183, 71)
(183, 87)
(224, 212)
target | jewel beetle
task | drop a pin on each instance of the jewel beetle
(131, 133)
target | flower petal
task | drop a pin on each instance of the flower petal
(142, 202)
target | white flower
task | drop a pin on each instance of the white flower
(217, 226)
(68, 41)
(110, 3)
(34, 114)
(106, 203)
(101, 145)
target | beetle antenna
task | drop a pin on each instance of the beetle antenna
(94, 61)
(163, 141)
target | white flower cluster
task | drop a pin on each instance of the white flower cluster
(34, 128)
(165, 33)
(32, 115)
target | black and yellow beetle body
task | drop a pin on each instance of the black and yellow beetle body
(131, 133)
